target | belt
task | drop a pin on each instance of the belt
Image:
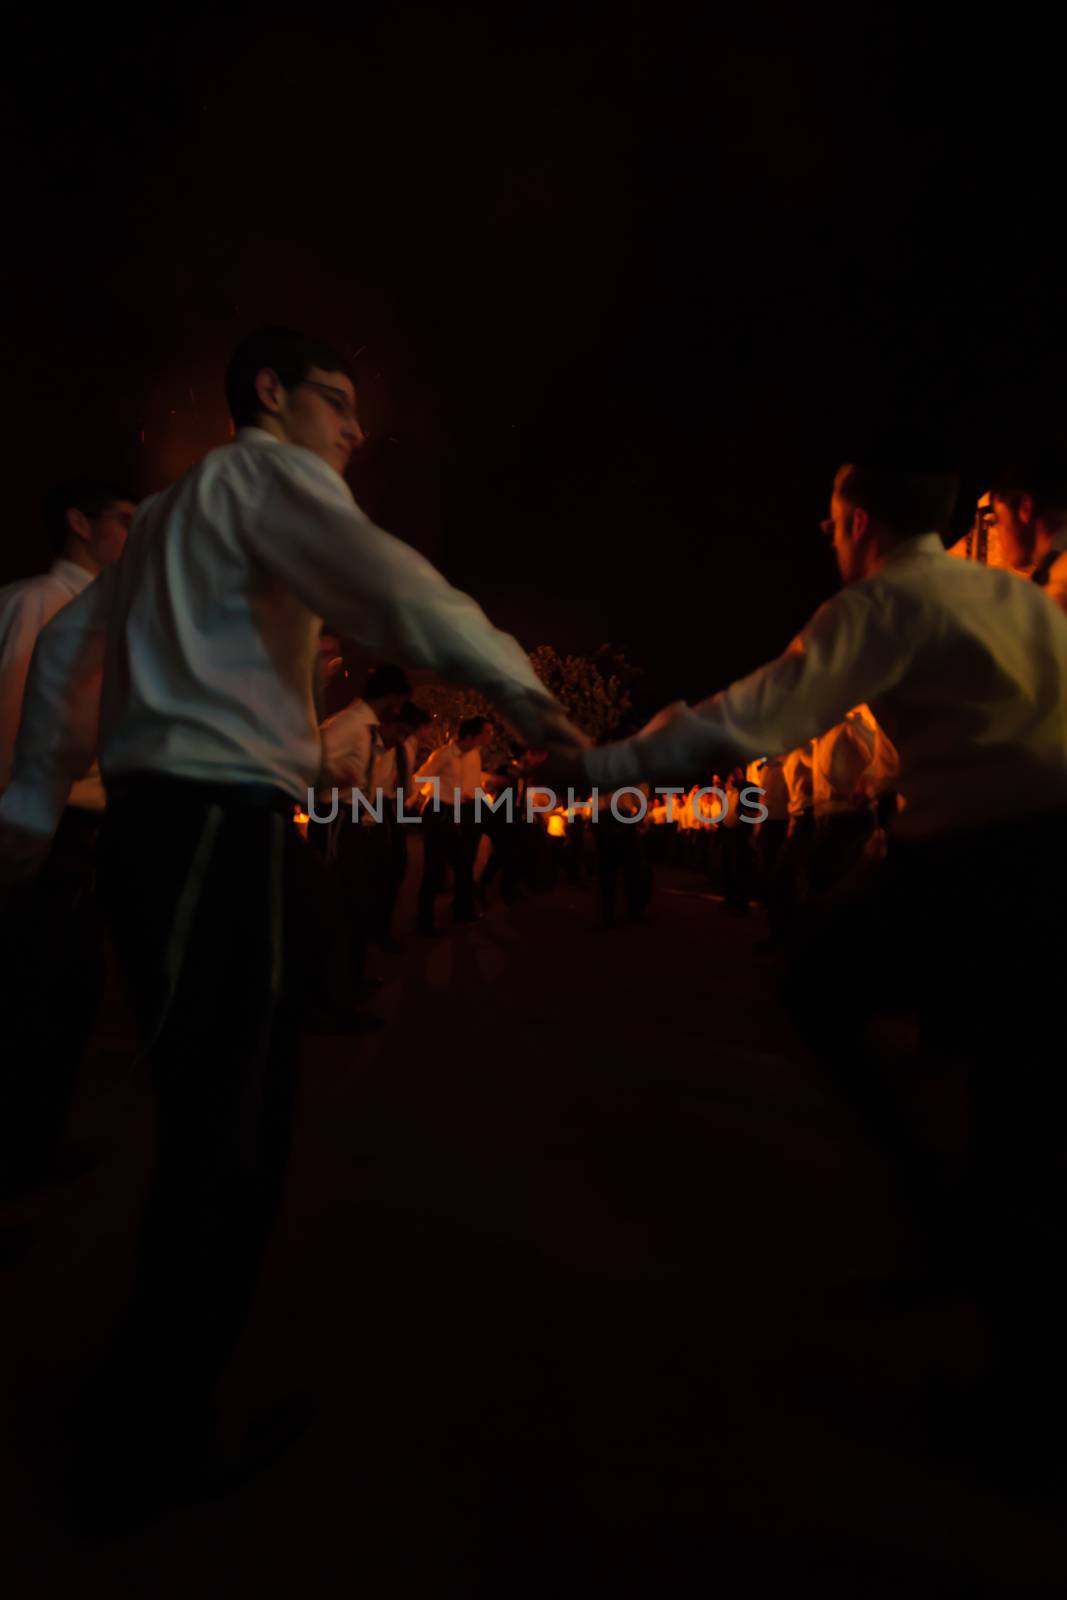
(156, 786)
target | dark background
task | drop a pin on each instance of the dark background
(621, 282)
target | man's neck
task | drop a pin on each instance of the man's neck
(1049, 538)
(79, 556)
(273, 426)
(885, 549)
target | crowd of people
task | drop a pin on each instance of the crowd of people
(905, 761)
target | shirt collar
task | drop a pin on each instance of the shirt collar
(363, 713)
(924, 544)
(70, 574)
(254, 435)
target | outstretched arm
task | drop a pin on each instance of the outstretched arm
(309, 531)
(847, 654)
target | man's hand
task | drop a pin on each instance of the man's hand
(22, 854)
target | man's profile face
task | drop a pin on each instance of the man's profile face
(105, 535)
(840, 530)
(1015, 530)
(319, 413)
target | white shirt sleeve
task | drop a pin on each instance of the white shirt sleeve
(27, 613)
(845, 655)
(308, 531)
(840, 761)
(434, 764)
(61, 710)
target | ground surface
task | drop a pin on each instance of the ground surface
(577, 1259)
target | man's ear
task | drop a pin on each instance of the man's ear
(78, 524)
(860, 524)
(269, 391)
(1025, 509)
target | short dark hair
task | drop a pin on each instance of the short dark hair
(90, 496)
(1043, 478)
(909, 500)
(470, 726)
(414, 716)
(385, 680)
(288, 353)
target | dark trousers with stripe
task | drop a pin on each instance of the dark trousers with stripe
(202, 888)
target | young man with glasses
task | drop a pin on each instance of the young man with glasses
(207, 640)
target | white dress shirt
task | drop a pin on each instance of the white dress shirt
(964, 667)
(770, 777)
(211, 622)
(841, 762)
(796, 769)
(456, 770)
(384, 775)
(349, 745)
(25, 608)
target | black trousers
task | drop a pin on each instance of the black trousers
(837, 851)
(789, 891)
(736, 846)
(52, 982)
(620, 858)
(362, 866)
(203, 888)
(394, 872)
(448, 843)
(770, 843)
(968, 933)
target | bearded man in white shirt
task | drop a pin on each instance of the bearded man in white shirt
(965, 669)
(53, 960)
(206, 638)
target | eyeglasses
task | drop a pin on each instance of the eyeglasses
(335, 398)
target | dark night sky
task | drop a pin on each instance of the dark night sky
(625, 280)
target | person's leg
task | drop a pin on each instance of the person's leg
(53, 976)
(395, 871)
(637, 877)
(466, 837)
(607, 859)
(201, 938)
(1003, 1022)
(433, 865)
(355, 874)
